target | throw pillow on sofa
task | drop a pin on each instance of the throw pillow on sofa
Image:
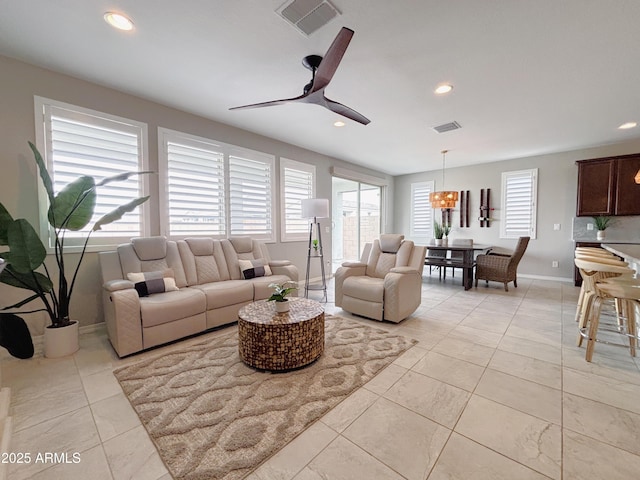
(254, 268)
(148, 283)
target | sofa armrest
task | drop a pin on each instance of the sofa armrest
(279, 263)
(123, 319)
(115, 285)
(402, 294)
(344, 272)
(354, 264)
(404, 270)
(287, 269)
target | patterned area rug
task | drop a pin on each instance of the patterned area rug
(213, 417)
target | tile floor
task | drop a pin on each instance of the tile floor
(496, 389)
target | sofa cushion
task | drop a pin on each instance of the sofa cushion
(370, 289)
(390, 243)
(254, 268)
(242, 244)
(169, 306)
(150, 248)
(223, 294)
(148, 283)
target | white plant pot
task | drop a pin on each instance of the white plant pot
(438, 242)
(282, 307)
(600, 235)
(60, 342)
(445, 241)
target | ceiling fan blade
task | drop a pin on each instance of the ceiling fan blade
(331, 59)
(270, 104)
(345, 111)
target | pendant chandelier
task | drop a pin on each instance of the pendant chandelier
(443, 198)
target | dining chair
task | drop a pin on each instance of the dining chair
(498, 267)
(458, 257)
(434, 257)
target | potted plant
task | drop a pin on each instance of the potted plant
(70, 210)
(315, 245)
(438, 233)
(446, 229)
(602, 222)
(279, 295)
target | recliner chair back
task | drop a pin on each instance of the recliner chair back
(387, 252)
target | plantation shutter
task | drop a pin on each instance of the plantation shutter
(519, 199)
(297, 182)
(250, 197)
(421, 211)
(195, 189)
(82, 144)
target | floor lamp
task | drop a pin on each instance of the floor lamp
(315, 208)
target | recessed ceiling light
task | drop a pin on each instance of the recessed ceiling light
(339, 123)
(118, 20)
(627, 125)
(442, 89)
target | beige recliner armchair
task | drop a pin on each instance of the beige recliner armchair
(386, 284)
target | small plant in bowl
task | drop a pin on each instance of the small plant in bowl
(602, 222)
(281, 290)
(315, 245)
(279, 295)
(438, 231)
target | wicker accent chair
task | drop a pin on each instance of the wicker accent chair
(498, 267)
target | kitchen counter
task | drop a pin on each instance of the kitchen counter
(630, 252)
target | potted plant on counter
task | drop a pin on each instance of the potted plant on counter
(602, 222)
(438, 233)
(52, 283)
(279, 295)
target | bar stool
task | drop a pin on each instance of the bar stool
(597, 252)
(593, 272)
(628, 294)
(608, 260)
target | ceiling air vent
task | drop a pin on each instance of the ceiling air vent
(447, 127)
(307, 15)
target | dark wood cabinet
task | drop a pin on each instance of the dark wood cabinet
(627, 191)
(606, 186)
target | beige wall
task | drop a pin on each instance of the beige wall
(19, 82)
(557, 186)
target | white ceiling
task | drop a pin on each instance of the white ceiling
(530, 76)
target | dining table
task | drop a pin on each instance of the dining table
(467, 263)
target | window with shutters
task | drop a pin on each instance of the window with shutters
(251, 194)
(194, 193)
(214, 189)
(421, 212)
(75, 141)
(519, 202)
(297, 182)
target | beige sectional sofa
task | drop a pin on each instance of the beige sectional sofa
(205, 287)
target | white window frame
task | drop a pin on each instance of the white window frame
(165, 135)
(526, 209)
(42, 110)
(270, 161)
(286, 164)
(420, 187)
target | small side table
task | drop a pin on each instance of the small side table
(281, 341)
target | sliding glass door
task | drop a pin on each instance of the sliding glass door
(356, 218)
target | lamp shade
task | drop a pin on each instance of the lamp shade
(637, 177)
(315, 208)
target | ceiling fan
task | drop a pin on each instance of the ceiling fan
(322, 70)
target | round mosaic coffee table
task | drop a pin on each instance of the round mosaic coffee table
(281, 341)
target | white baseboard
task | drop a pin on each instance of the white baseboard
(545, 277)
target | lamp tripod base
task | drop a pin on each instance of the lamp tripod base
(314, 252)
